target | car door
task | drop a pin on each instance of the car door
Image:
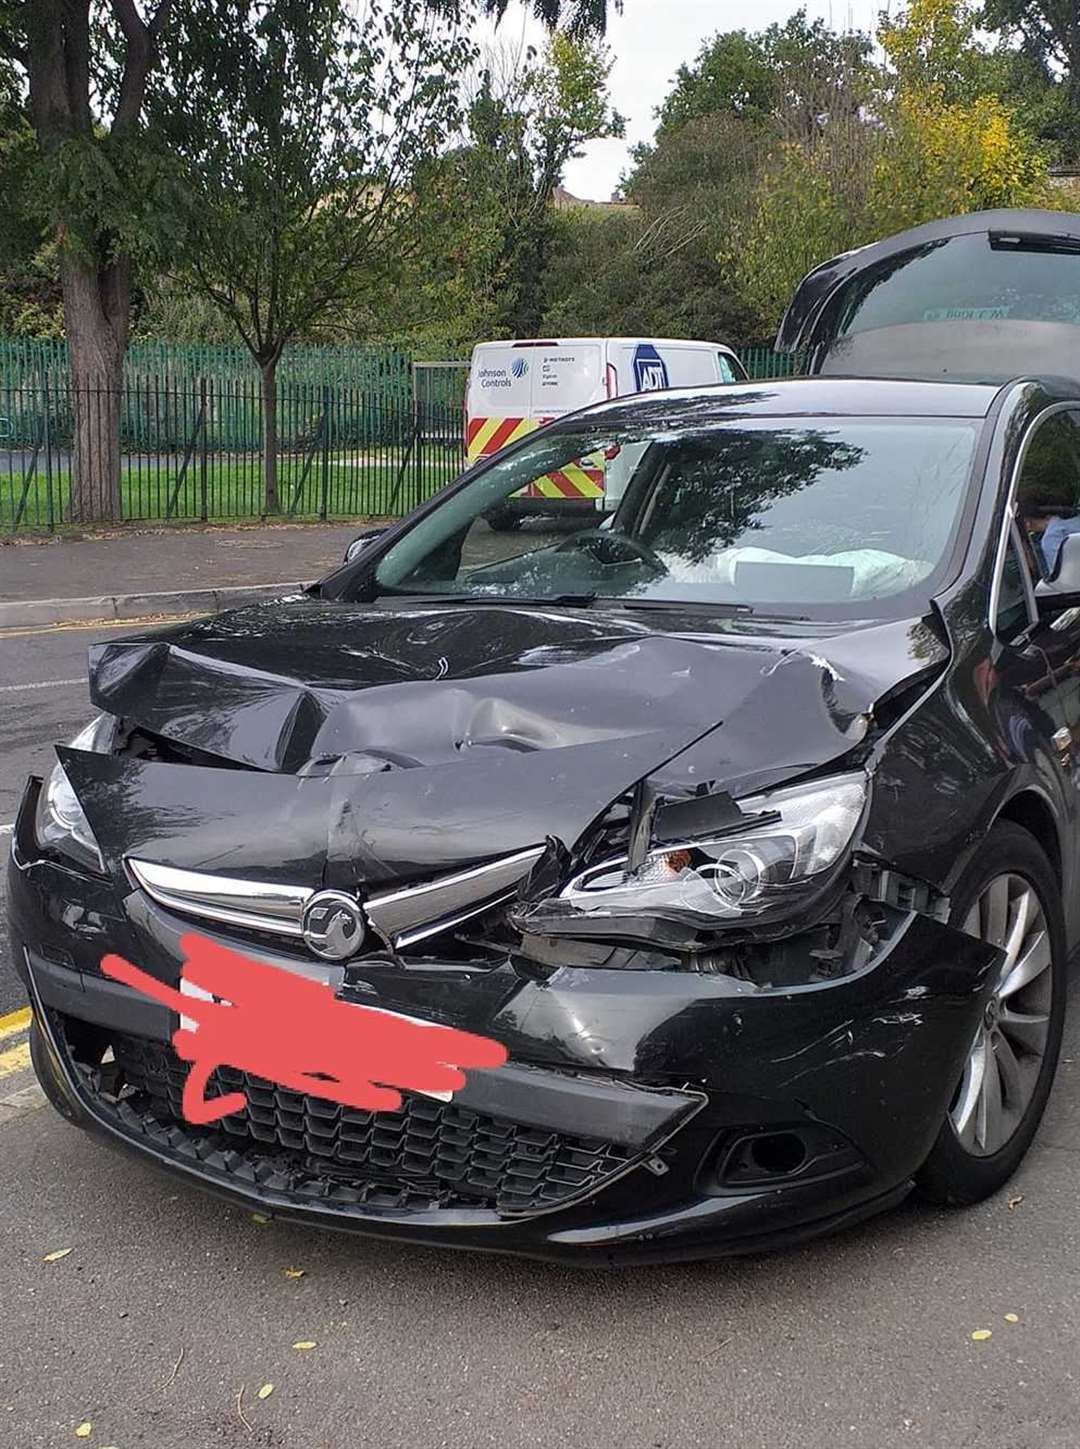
(1047, 507)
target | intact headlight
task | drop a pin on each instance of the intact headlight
(791, 848)
(59, 823)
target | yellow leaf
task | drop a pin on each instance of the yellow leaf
(265, 1391)
(295, 1272)
(259, 1218)
(83, 1431)
(1012, 1318)
(982, 1334)
(55, 1257)
(305, 1343)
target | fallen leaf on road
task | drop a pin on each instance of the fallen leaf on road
(1012, 1318)
(1014, 1202)
(175, 1368)
(295, 1272)
(240, 1411)
(259, 1218)
(83, 1431)
(305, 1343)
(55, 1257)
(266, 1391)
(982, 1334)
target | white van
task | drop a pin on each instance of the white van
(516, 387)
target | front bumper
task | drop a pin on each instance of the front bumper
(644, 1115)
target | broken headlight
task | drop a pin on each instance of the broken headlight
(773, 867)
(59, 823)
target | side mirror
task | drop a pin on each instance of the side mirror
(361, 541)
(1063, 590)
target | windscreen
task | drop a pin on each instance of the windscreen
(781, 513)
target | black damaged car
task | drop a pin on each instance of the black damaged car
(743, 816)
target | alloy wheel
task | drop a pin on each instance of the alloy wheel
(1004, 1064)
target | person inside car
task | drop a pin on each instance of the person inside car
(1048, 516)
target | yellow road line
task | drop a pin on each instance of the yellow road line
(83, 626)
(14, 1022)
(17, 1059)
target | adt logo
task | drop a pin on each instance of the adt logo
(519, 367)
(650, 369)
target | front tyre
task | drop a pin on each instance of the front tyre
(1009, 896)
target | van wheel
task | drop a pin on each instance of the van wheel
(1008, 896)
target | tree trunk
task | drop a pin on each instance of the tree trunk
(59, 61)
(96, 310)
(270, 435)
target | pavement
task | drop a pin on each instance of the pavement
(170, 1311)
(128, 575)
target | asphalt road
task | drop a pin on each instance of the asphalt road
(169, 1303)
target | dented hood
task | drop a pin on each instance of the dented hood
(384, 744)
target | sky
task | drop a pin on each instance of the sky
(649, 42)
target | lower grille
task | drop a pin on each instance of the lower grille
(429, 1154)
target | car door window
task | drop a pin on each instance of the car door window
(1048, 490)
(1015, 599)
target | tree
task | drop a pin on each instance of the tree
(576, 18)
(300, 132)
(952, 144)
(525, 124)
(1050, 30)
(933, 51)
(944, 160)
(650, 267)
(1040, 56)
(790, 72)
(87, 70)
(30, 298)
(484, 207)
(732, 74)
(623, 272)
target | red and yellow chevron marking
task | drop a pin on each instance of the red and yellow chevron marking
(487, 435)
(573, 480)
(583, 479)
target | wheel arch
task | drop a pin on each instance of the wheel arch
(1032, 811)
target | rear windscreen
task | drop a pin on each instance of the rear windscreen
(974, 278)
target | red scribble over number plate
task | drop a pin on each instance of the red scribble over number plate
(239, 1012)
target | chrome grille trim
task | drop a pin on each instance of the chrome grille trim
(397, 914)
(404, 917)
(253, 904)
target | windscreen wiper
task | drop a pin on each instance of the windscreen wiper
(687, 605)
(579, 601)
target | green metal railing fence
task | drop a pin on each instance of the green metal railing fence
(762, 363)
(195, 452)
(385, 374)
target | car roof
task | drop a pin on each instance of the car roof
(809, 397)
